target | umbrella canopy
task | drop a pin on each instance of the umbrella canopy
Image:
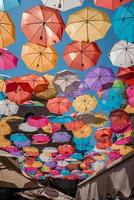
(83, 132)
(123, 21)
(126, 75)
(37, 121)
(66, 150)
(63, 5)
(99, 77)
(42, 25)
(66, 82)
(51, 128)
(59, 105)
(130, 95)
(8, 108)
(111, 4)
(39, 58)
(81, 55)
(2, 85)
(61, 119)
(25, 127)
(92, 23)
(7, 60)
(61, 137)
(5, 129)
(6, 5)
(122, 54)
(7, 30)
(84, 103)
(75, 125)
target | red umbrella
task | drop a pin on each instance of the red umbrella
(81, 55)
(38, 121)
(59, 105)
(126, 75)
(74, 126)
(42, 25)
(18, 92)
(119, 120)
(66, 150)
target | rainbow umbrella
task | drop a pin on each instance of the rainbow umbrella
(6, 5)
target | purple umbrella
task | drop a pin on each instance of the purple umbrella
(99, 78)
(61, 137)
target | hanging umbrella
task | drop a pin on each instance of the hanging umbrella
(100, 120)
(75, 125)
(81, 55)
(39, 58)
(123, 21)
(61, 137)
(37, 121)
(130, 95)
(8, 108)
(20, 140)
(111, 4)
(18, 92)
(25, 127)
(66, 82)
(126, 75)
(119, 120)
(84, 103)
(66, 150)
(42, 25)
(7, 60)
(99, 77)
(6, 5)
(51, 128)
(2, 85)
(40, 139)
(59, 105)
(83, 132)
(61, 119)
(63, 5)
(122, 54)
(5, 129)
(88, 25)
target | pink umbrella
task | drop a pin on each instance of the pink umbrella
(7, 60)
(37, 121)
(130, 95)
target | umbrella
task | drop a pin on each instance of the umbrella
(25, 127)
(75, 125)
(130, 95)
(83, 132)
(81, 55)
(37, 121)
(123, 21)
(63, 5)
(5, 129)
(119, 120)
(99, 77)
(51, 128)
(6, 5)
(2, 85)
(122, 54)
(59, 105)
(8, 108)
(66, 82)
(111, 4)
(61, 119)
(40, 139)
(66, 150)
(84, 103)
(7, 60)
(42, 25)
(126, 75)
(39, 58)
(100, 120)
(92, 23)
(61, 137)
(18, 92)
(20, 140)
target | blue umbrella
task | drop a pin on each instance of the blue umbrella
(61, 119)
(123, 22)
(6, 5)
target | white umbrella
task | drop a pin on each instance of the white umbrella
(63, 5)
(8, 108)
(26, 128)
(122, 54)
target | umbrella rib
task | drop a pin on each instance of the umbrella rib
(5, 30)
(35, 33)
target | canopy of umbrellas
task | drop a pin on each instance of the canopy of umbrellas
(48, 121)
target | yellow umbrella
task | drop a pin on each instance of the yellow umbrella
(7, 30)
(83, 132)
(4, 142)
(129, 109)
(5, 129)
(124, 149)
(2, 86)
(88, 25)
(84, 103)
(39, 58)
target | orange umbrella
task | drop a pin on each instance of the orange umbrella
(59, 105)
(42, 25)
(83, 132)
(74, 126)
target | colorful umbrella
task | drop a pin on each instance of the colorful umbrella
(5, 129)
(6, 5)
(81, 55)
(61, 137)
(8, 108)
(20, 140)
(59, 105)
(66, 150)
(39, 58)
(63, 5)
(66, 82)
(83, 132)
(61, 119)
(100, 120)
(126, 75)
(40, 139)
(2, 85)
(7, 60)
(75, 125)
(123, 21)
(37, 121)
(99, 77)
(122, 54)
(130, 95)
(42, 25)
(51, 128)
(111, 4)
(25, 127)
(92, 23)
(7, 30)
(84, 103)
